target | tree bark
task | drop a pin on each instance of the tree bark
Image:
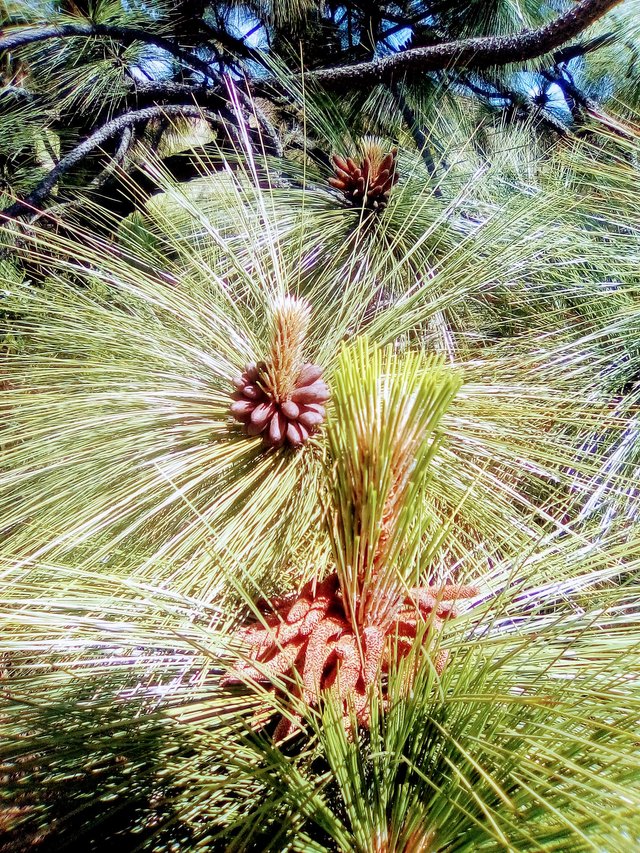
(474, 53)
(469, 53)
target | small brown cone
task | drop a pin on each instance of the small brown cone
(368, 182)
(286, 422)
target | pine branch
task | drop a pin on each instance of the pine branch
(516, 101)
(210, 95)
(170, 89)
(231, 43)
(126, 35)
(474, 53)
(581, 105)
(566, 54)
(99, 137)
(124, 146)
(101, 180)
(572, 94)
(419, 138)
(268, 133)
(497, 93)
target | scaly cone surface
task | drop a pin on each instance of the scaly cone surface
(282, 398)
(339, 635)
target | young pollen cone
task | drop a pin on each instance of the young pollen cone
(283, 397)
(369, 182)
(345, 632)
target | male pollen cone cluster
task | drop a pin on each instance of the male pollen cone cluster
(282, 398)
(342, 635)
(310, 634)
(368, 184)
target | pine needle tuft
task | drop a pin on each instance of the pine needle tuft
(383, 437)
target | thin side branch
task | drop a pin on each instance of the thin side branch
(419, 138)
(268, 133)
(474, 53)
(124, 146)
(208, 96)
(566, 54)
(97, 139)
(23, 36)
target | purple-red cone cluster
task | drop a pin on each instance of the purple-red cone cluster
(368, 184)
(289, 421)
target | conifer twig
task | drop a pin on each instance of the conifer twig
(99, 137)
(22, 36)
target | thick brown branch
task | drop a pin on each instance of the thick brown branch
(210, 97)
(467, 53)
(97, 139)
(474, 53)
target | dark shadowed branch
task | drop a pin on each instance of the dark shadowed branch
(23, 36)
(112, 128)
(419, 138)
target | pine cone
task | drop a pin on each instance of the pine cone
(289, 421)
(369, 184)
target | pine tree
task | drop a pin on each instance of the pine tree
(88, 84)
(318, 492)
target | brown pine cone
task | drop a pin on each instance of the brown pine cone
(368, 184)
(290, 421)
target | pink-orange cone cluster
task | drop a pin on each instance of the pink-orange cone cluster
(310, 634)
(369, 183)
(290, 419)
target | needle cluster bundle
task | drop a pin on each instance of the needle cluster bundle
(342, 634)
